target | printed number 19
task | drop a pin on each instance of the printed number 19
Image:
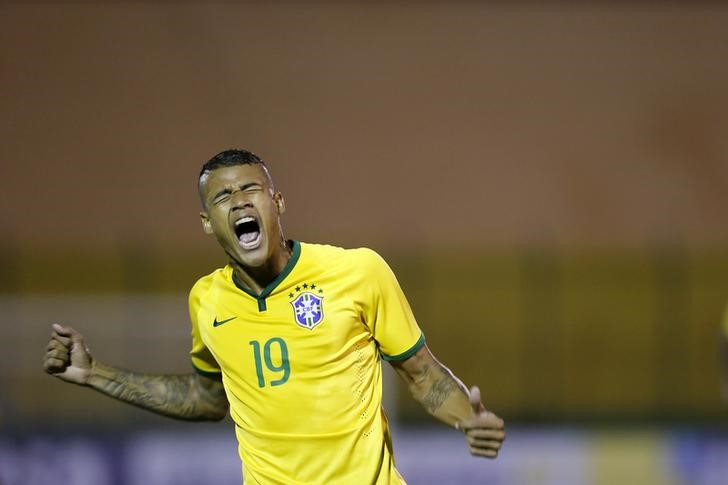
(284, 367)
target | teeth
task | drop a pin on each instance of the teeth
(243, 220)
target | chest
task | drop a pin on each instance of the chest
(303, 327)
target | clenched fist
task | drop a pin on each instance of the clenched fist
(67, 357)
(484, 430)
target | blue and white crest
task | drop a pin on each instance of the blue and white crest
(308, 310)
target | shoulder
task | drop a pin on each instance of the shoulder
(369, 260)
(357, 258)
(203, 285)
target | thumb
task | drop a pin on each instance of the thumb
(475, 402)
(68, 332)
(475, 405)
(78, 347)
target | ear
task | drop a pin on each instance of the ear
(280, 202)
(206, 225)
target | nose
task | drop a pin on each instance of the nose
(240, 200)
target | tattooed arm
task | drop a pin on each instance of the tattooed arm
(189, 396)
(445, 397)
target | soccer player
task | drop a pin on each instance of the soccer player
(289, 337)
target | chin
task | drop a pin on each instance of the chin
(252, 258)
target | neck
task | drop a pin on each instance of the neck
(256, 279)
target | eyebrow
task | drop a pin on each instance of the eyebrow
(222, 192)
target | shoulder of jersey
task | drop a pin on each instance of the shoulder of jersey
(357, 257)
(204, 283)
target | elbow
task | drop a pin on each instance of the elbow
(219, 416)
(207, 415)
(218, 413)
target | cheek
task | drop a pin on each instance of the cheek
(218, 219)
(269, 217)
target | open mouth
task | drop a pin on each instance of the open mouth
(247, 231)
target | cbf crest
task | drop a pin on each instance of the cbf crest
(308, 307)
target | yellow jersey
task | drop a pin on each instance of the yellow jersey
(301, 365)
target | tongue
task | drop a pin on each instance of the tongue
(248, 237)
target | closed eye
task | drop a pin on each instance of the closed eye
(250, 188)
(225, 194)
(222, 197)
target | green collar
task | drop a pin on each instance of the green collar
(295, 254)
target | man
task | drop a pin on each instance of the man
(289, 335)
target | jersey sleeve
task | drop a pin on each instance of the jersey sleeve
(387, 313)
(202, 359)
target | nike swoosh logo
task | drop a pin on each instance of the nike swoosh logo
(217, 323)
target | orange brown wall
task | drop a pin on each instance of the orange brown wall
(549, 182)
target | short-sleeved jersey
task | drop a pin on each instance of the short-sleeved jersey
(301, 364)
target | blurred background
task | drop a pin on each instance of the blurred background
(549, 181)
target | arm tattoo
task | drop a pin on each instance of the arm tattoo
(177, 396)
(440, 390)
(435, 387)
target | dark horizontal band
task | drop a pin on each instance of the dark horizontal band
(210, 375)
(407, 354)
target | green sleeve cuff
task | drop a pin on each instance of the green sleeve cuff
(210, 375)
(408, 353)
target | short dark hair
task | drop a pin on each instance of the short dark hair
(230, 158)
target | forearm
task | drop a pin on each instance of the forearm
(446, 398)
(176, 396)
(442, 394)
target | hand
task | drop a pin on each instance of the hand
(484, 430)
(67, 356)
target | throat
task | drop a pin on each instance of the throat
(248, 283)
(256, 279)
